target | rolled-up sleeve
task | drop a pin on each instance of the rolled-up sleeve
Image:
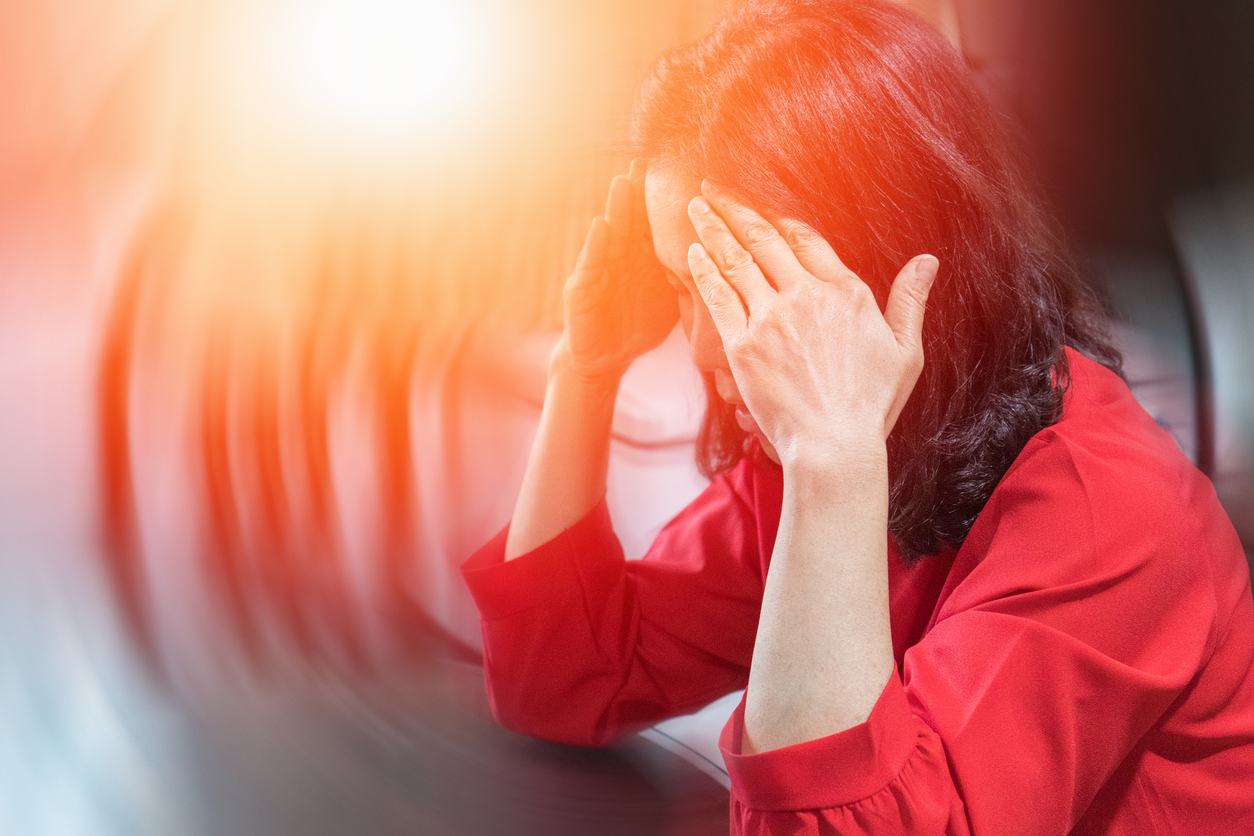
(887, 775)
(584, 647)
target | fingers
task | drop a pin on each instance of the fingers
(721, 299)
(756, 235)
(641, 233)
(907, 301)
(777, 243)
(619, 215)
(811, 249)
(733, 260)
(592, 257)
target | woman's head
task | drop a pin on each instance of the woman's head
(860, 120)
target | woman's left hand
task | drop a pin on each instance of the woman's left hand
(821, 370)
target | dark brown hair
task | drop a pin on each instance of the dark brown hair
(859, 119)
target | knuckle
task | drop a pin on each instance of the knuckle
(805, 240)
(798, 236)
(758, 233)
(707, 284)
(920, 294)
(724, 298)
(810, 293)
(726, 306)
(737, 259)
(859, 290)
(737, 346)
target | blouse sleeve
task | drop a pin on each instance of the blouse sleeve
(887, 775)
(1068, 630)
(584, 647)
(1096, 619)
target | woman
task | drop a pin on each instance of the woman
(967, 583)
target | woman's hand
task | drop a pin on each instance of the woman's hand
(825, 375)
(618, 304)
(819, 367)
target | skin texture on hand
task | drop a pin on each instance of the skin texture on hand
(825, 375)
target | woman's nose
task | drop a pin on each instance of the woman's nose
(704, 343)
(725, 385)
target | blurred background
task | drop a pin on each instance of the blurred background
(278, 280)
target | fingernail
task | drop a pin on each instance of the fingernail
(708, 185)
(695, 250)
(927, 267)
(699, 205)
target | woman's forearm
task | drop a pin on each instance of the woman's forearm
(617, 305)
(566, 471)
(824, 646)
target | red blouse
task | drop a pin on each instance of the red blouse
(1079, 665)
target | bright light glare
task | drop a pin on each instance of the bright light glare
(388, 65)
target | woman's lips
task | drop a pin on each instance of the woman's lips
(745, 419)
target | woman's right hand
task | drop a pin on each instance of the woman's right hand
(618, 304)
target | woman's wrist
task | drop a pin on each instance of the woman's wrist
(566, 471)
(601, 379)
(843, 457)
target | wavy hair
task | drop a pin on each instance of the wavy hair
(859, 119)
